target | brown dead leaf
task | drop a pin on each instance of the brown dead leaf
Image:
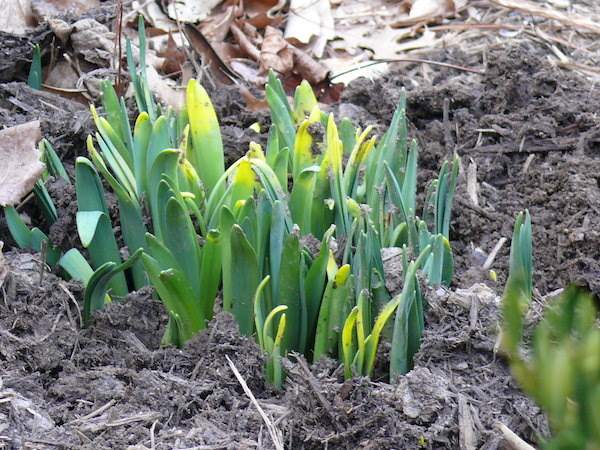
(152, 12)
(258, 7)
(276, 53)
(93, 40)
(216, 27)
(308, 68)
(21, 166)
(258, 13)
(202, 46)
(247, 69)
(62, 76)
(252, 103)
(227, 51)
(174, 57)
(250, 31)
(45, 9)
(16, 16)
(165, 89)
(379, 40)
(328, 92)
(61, 29)
(244, 42)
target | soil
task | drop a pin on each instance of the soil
(528, 136)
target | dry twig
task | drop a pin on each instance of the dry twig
(574, 20)
(274, 432)
(513, 441)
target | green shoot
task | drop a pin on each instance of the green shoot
(561, 371)
(35, 71)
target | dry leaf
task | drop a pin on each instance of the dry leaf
(219, 70)
(246, 68)
(276, 53)
(430, 8)
(328, 92)
(250, 31)
(252, 103)
(16, 16)
(153, 13)
(62, 76)
(174, 57)
(93, 40)
(217, 26)
(190, 11)
(61, 29)
(257, 11)
(380, 40)
(44, 9)
(228, 52)
(345, 70)
(165, 89)
(21, 166)
(275, 9)
(308, 18)
(384, 42)
(308, 68)
(244, 42)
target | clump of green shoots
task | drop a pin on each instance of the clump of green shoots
(35, 238)
(192, 227)
(560, 367)
(240, 229)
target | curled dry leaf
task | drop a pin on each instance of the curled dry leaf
(93, 40)
(250, 31)
(174, 57)
(61, 29)
(247, 70)
(216, 27)
(276, 53)
(308, 68)
(244, 42)
(21, 166)
(62, 76)
(252, 103)
(259, 13)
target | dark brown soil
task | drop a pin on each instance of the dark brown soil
(531, 130)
